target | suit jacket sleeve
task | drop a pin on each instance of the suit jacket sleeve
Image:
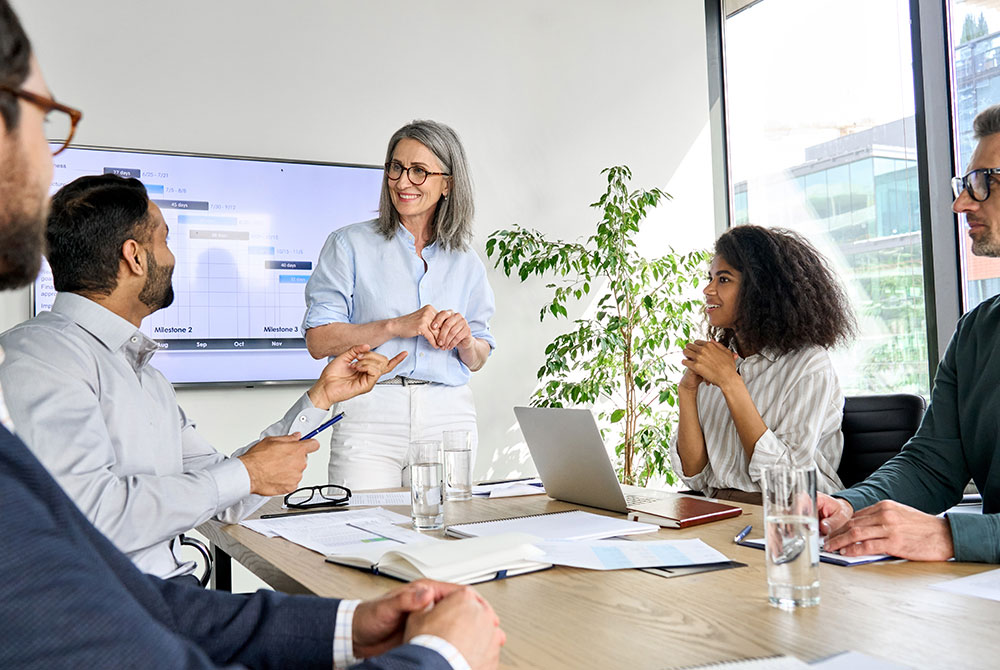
(70, 599)
(406, 657)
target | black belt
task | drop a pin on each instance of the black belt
(404, 381)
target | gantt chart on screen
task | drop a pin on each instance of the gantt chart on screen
(246, 235)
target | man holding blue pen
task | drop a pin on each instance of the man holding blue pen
(70, 599)
(105, 422)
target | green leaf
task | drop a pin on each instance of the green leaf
(643, 313)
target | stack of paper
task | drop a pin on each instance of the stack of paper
(370, 539)
(626, 554)
(340, 532)
(524, 487)
(573, 525)
(368, 499)
(982, 585)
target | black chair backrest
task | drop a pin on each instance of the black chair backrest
(875, 428)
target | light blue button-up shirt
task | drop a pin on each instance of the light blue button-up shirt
(362, 277)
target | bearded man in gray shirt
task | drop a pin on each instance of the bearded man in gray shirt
(105, 422)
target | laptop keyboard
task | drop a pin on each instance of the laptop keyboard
(640, 500)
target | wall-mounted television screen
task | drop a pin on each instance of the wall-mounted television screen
(246, 233)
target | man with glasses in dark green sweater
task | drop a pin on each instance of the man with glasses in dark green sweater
(894, 510)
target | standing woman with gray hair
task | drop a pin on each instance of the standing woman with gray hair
(406, 281)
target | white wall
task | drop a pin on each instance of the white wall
(544, 95)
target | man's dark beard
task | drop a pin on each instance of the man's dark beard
(158, 292)
(22, 224)
(22, 242)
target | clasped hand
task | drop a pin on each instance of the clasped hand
(445, 329)
(454, 613)
(707, 362)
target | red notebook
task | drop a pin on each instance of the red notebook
(682, 511)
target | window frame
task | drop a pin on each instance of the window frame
(935, 158)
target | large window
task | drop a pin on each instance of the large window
(975, 49)
(821, 138)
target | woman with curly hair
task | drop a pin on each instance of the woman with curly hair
(763, 385)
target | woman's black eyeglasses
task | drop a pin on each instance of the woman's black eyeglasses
(416, 174)
(328, 495)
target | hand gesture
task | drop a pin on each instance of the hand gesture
(889, 527)
(468, 622)
(451, 330)
(418, 324)
(711, 361)
(352, 373)
(691, 380)
(275, 464)
(379, 624)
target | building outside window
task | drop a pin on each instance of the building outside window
(820, 129)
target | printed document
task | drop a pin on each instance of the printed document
(984, 585)
(626, 554)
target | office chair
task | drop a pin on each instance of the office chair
(200, 547)
(875, 428)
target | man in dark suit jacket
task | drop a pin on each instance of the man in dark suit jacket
(69, 598)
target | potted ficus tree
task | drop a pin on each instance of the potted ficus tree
(620, 357)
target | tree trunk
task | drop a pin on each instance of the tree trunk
(630, 409)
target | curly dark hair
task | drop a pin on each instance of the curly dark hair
(789, 297)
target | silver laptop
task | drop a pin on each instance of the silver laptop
(573, 462)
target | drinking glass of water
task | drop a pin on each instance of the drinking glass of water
(791, 532)
(426, 483)
(457, 465)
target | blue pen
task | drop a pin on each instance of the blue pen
(742, 534)
(326, 425)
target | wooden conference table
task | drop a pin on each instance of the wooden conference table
(572, 618)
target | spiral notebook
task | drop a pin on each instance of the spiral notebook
(573, 525)
(768, 663)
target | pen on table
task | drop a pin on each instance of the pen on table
(742, 534)
(326, 425)
(308, 511)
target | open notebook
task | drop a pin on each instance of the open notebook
(461, 562)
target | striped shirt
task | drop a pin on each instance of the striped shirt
(799, 398)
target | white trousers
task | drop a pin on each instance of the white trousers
(368, 448)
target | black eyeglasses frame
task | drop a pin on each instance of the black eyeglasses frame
(325, 502)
